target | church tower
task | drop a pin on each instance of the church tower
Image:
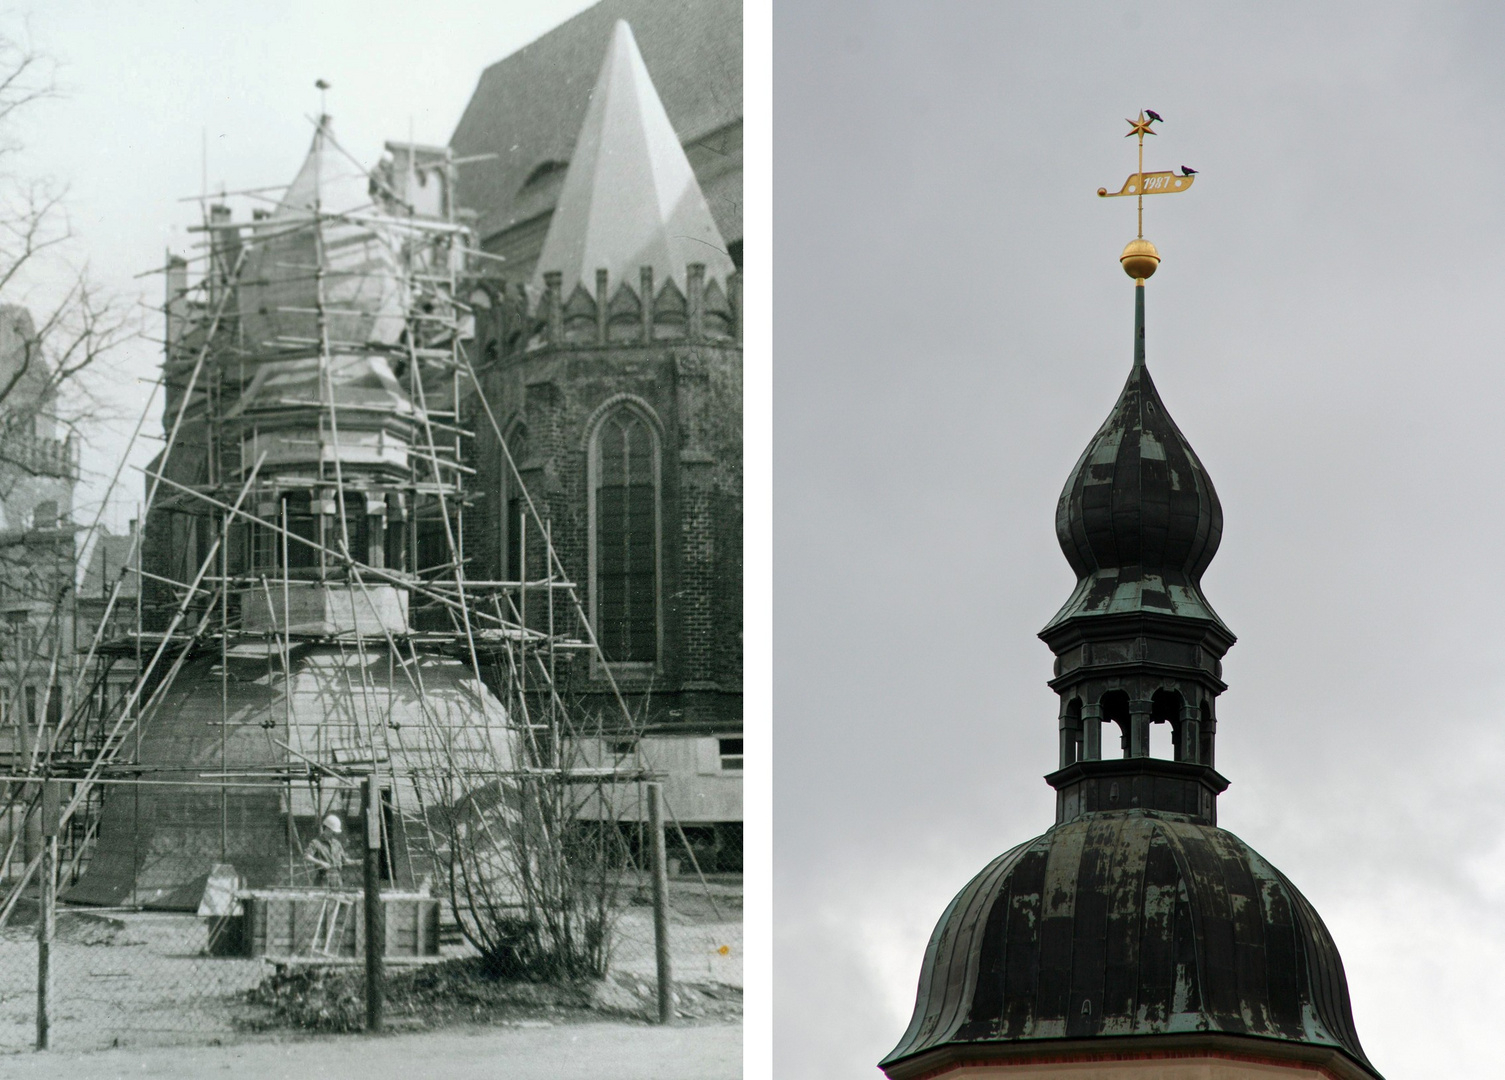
(615, 374)
(1135, 938)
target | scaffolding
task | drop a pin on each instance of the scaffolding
(303, 616)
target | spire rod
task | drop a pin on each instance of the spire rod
(1139, 325)
(1141, 128)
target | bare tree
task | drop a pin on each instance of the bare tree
(44, 354)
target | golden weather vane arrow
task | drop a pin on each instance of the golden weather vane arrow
(1140, 258)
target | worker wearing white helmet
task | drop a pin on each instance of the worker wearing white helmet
(327, 854)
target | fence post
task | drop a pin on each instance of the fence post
(660, 865)
(46, 910)
(376, 935)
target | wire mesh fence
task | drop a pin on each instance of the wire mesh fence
(124, 977)
(705, 946)
(18, 985)
(196, 966)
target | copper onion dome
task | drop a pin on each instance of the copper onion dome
(1115, 927)
(1139, 520)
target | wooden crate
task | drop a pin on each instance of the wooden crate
(283, 923)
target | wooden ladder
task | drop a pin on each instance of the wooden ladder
(330, 924)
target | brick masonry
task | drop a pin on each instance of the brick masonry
(691, 390)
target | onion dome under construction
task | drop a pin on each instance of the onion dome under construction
(1134, 938)
(300, 552)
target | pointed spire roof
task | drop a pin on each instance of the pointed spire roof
(630, 198)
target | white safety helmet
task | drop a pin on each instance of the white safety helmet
(332, 823)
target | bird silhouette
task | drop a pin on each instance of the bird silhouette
(1153, 115)
(1188, 172)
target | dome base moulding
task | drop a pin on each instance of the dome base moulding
(1168, 1057)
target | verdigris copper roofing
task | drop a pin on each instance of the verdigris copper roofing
(1130, 924)
(1138, 520)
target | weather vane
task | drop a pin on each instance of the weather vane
(1140, 257)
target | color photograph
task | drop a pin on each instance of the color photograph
(1137, 688)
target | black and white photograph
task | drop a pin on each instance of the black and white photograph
(372, 539)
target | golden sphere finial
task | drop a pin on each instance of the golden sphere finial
(1139, 259)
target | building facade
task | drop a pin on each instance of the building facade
(614, 370)
(38, 471)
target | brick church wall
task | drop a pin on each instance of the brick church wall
(692, 390)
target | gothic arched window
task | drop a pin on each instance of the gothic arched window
(624, 509)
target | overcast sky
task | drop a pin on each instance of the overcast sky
(951, 327)
(157, 95)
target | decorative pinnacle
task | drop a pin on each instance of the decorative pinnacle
(1139, 258)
